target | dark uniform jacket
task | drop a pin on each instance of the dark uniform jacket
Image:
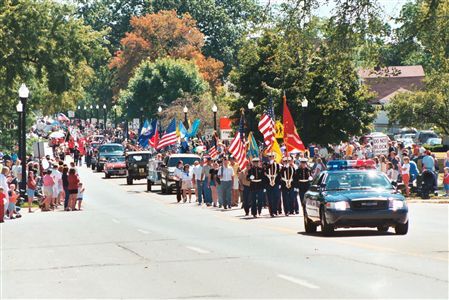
(302, 177)
(257, 183)
(288, 176)
(274, 170)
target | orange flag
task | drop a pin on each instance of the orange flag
(292, 140)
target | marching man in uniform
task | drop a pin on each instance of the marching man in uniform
(257, 195)
(287, 186)
(272, 173)
(303, 176)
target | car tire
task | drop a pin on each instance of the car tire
(326, 229)
(163, 189)
(98, 169)
(107, 175)
(401, 229)
(129, 181)
(149, 185)
(383, 228)
(309, 226)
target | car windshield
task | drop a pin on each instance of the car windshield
(139, 157)
(110, 148)
(357, 181)
(117, 159)
(173, 161)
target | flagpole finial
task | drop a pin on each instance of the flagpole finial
(242, 110)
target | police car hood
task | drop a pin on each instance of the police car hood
(354, 195)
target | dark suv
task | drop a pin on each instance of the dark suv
(137, 165)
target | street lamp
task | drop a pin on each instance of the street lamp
(141, 116)
(250, 115)
(214, 110)
(105, 115)
(85, 113)
(78, 112)
(91, 113)
(186, 110)
(115, 115)
(19, 108)
(23, 95)
(98, 115)
(304, 105)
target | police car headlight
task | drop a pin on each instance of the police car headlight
(102, 158)
(396, 204)
(340, 205)
(135, 166)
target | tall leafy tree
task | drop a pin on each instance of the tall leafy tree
(223, 22)
(160, 83)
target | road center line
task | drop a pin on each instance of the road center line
(198, 250)
(115, 221)
(142, 231)
(298, 281)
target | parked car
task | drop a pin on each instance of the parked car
(423, 135)
(115, 166)
(154, 173)
(137, 165)
(434, 141)
(107, 151)
(168, 183)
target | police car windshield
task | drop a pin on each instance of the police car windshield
(357, 181)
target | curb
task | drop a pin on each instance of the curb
(429, 201)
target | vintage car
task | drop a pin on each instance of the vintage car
(106, 152)
(168, 183)
(136, 165)
(354, 194)
(154, 173)
(115, 166)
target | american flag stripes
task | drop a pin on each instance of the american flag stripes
(170, 137)
(213, 152)
(237, 149)
(266, 126)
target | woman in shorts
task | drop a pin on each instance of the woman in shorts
(186, 183)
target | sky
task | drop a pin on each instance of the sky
(391, 8)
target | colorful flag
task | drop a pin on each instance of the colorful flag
(169, 137)
(266, 126)
(237, 149)
(154, 140)
(277, 151)
(144, 134)
(181, 131)
(253, 149)
(291, 137)
(213, 152)
(194, 128)
(62, 117)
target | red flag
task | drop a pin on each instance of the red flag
(154, 141)
(237, 149)
(292, 140)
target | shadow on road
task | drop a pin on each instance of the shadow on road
(350, 233)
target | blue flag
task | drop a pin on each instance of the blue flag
(194, 128)
(146, 132)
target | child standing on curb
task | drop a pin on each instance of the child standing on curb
(79, 197)
(446, 181)
(2, 204)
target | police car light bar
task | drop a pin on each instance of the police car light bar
(351, 164)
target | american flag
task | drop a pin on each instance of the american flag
(213, 152)
(170, 137)
(237, 149)
(266, 126)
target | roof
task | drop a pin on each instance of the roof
(393, 71)
(138, 152)
(388, 97)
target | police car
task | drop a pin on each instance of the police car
(354, 194)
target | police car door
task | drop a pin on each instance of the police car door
(313, 198)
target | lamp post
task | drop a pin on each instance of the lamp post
(91, 113)
(159, 110)
(19, 108)
(304, 105)
(78, 113)
(115, 115)
(250, 115)
(105, 115)
(141, 117)
(98, 115)
(186, 123)
(23, 95)
(85, 113)
(214, 110)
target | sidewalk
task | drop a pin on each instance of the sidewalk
(434, 200)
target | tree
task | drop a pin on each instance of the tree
(160, 83)
(44, 46)
(224, 23)
(159, 35)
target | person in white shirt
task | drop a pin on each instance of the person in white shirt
(177, 174)
(4, 184)
(226, 175)
(57, 187)
(198, 180)
(17, 171)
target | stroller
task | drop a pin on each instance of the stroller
(425, 184)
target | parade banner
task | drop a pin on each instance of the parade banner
(225, 134)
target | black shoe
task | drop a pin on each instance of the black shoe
(272, 215)
(255, 216)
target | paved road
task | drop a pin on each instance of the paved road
(128, 243)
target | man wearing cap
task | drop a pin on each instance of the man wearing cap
(287, 185)
(206, 185)
(303, 176)
(226, 175)
(257, 195)
(272, 183)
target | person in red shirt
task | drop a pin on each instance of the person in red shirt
(2, 204)
(73, 188)
(12, 201)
